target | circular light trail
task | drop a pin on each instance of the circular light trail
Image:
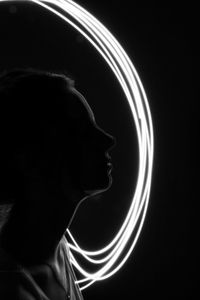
(112, 257)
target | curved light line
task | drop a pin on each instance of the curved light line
(115, 254)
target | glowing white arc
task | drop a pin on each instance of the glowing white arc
(114, 255)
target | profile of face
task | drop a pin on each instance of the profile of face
(73, 166)
(66, 166)
(89, 158)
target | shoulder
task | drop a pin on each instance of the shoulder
(24, 294)
(15, 286)
(14, 283)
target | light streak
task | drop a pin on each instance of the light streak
(113, 256)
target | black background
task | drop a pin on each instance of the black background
(160, 40)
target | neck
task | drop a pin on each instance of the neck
(38, 222)
(32, 236)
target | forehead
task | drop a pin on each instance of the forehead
(81, 106)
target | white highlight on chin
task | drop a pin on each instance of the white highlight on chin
(112, 257)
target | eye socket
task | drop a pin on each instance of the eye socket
(87, 129)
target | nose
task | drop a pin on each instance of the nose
(109, 141)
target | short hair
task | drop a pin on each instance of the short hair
(33, 103)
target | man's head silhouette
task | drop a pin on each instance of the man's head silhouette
(53, 155)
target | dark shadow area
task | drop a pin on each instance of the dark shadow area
(53, 156)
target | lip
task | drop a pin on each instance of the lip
(108, 161)
(110, 166)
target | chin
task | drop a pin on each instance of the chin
(100, 188)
